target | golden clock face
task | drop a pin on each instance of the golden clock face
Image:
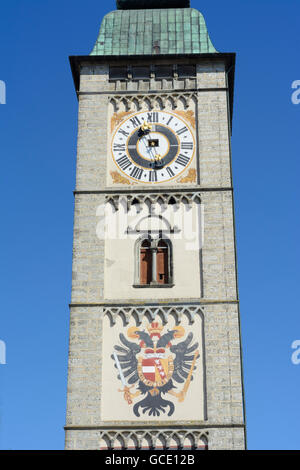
(153, 147)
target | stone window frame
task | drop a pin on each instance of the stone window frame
(154, 245)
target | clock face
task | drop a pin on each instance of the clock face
(153, 147)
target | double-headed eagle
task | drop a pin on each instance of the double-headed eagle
(153, 365)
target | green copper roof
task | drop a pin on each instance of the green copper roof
(153, 31)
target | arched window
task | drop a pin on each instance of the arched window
(153, 264)
(162, 257)
(145, 263)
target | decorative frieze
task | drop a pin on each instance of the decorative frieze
(154, 439)
(151, 312)
(161, 101)
(150, 199)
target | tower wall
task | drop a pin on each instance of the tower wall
(100, 306)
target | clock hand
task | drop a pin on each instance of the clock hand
(151, 148)
(146, 129)
(148, 148)
(155, 156)
(145, 142)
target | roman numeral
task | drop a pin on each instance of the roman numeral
(123, 162)
(119, 147)
(182, 160)
(182, 130)
(170, 171)
(152, 176)
(152, 117)
(169, 120)
(187, 145)
(137, 173)
(126, 134)
(135, 121)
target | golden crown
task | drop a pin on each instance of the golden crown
(155, 327)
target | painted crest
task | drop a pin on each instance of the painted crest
(154, 366)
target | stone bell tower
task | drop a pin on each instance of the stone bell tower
(154, 353)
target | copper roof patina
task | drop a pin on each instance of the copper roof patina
(147, 31)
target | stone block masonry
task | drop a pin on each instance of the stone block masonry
(223, 425)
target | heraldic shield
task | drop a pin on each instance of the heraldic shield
(152, 366)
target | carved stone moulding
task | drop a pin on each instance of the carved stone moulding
(136, 102)
(163, 199)
(154, 439)
(151, 312)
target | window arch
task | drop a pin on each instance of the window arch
(145, 262)
(162, 255)
(153, 262)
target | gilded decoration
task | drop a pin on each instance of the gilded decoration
(117, 118)
(117, 178)
(188, 116)
(189, 178)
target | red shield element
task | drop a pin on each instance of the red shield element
(152, 365)
(148, 369)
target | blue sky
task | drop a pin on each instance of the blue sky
(38, 150)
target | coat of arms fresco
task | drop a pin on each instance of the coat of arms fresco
(152, 368)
